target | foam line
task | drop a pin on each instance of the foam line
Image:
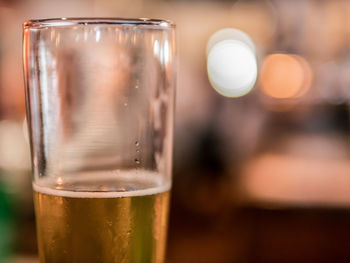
(153, 184)
(65, 193)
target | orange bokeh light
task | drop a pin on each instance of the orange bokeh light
(285, 76)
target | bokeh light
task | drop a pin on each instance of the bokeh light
(285, 76)
(231, 62)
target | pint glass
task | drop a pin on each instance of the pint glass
(100, 106)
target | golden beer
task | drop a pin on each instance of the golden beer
(102, 220)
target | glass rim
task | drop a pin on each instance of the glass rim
(85, 21)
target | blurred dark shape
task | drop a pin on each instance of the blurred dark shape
(7, 218)
(302, 235)
(201, 199)
(322, 119)
(203, 174)
(9, 2)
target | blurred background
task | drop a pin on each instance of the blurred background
(260, 178)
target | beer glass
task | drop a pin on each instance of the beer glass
(100, 106)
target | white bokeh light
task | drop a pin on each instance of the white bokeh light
(231, 62)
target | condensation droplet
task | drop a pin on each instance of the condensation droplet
(125, 104)
(137, 161)
(137, 143)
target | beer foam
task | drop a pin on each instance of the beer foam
(148, 183)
